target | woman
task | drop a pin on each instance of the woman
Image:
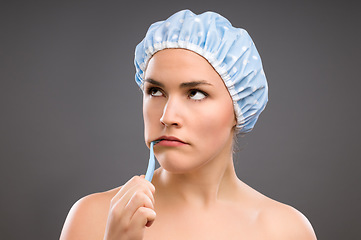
(202, 83)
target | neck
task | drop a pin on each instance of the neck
(216, 181)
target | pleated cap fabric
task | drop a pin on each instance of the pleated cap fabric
(229, 50)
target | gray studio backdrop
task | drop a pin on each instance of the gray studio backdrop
(71, 118)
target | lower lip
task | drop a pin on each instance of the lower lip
(168, 143)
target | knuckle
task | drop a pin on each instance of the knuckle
(114, 215)
(143, 188)
(125, 227)
(135, 179)
(138, 196)
(115, 210)
(152, 188)
(113, 201)
(142, 211)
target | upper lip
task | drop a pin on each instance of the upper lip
(169, 138)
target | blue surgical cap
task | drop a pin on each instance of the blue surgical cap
(229, 50)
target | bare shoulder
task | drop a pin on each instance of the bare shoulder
(88, 216)
(282, 221)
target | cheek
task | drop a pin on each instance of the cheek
(151, 116)
(148, 118)
(219, 120)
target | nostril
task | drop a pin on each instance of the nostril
(170, 116)
(174, 123)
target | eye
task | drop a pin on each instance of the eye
(155, 92)
(197, 94)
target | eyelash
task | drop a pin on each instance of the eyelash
(149, 91)
(200, 91)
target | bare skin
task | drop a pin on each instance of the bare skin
(195, 194)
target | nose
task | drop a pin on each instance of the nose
(171, 114)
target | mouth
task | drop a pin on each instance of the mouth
(169, 141)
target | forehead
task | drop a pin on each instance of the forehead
(180, 64)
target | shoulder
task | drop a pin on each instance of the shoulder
(282, 221)
(88, 216)
(273, 219)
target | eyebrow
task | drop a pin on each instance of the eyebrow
(182, 85)
(194, 83)
(149, 80)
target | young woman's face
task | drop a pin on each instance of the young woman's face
(188, 107)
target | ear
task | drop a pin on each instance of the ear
(235, 121)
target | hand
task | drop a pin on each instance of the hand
(131, 210)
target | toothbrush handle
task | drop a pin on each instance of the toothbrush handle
(151, 164)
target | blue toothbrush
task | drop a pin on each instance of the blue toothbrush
(151, 164)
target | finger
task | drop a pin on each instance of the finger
(130, 184)
(139, 199)
(138, 188)
(149, 184)
(143, 217)
(138, 195)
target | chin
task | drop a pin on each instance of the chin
(178, 165)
